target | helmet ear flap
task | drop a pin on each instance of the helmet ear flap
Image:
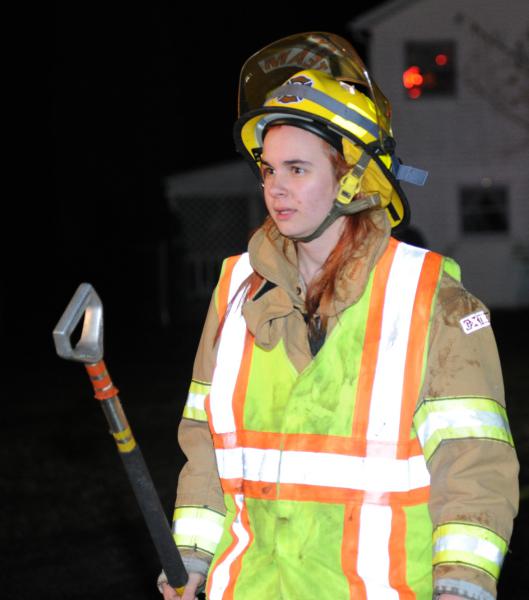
(351, 152)
(372, 178)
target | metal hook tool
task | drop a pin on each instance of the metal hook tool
(89, 350)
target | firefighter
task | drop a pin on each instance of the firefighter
(345, 428)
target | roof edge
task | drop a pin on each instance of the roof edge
(371, 17)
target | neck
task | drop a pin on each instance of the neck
(312, 255)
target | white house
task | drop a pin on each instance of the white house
(464, 117)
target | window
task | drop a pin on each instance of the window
(484, 209)
(429, 69)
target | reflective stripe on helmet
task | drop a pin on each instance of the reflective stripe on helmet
(194, 407)
(443, 419)
(469, 544)
(329, 103)
(197, 527)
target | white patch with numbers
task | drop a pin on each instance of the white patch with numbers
(473, 322)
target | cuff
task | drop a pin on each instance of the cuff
(162, 578)
(193, 564)
(464, 589)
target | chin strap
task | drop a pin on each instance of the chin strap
(345, 203)
(339, 210)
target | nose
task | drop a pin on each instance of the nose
(276, 185)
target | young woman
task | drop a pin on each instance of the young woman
(345, 428)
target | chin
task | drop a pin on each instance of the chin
(289, 232)
(288, 229)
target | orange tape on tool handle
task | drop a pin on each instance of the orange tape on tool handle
(101, 382)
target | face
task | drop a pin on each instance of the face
(299, 180)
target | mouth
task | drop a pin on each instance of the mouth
(284, 213)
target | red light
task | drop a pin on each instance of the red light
(412, 77)
(412, 80)
(441, 60)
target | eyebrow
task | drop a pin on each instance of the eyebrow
(296, 161)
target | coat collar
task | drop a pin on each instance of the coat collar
(274, 257)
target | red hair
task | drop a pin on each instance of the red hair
(320, 291)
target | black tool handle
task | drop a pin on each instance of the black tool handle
(154, 516)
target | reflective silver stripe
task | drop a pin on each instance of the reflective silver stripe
(197, 526)
(462, 418)
(401, 288)
(195, 403)
(194, 407)
(377, 474)
(467, 543)
(471, 544)
(331, 104)
(373, 551)
(220, 575)
(196, 400)
(229, 355)
(456, 418)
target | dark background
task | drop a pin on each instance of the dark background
(131, 94)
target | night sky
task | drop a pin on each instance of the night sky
(134, 93)
(143, 93)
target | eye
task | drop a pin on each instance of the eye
(297, 170)
(265, 171)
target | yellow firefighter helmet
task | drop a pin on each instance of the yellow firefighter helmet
(318, 82)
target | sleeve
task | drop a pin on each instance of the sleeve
(462, 424)
(199, 508)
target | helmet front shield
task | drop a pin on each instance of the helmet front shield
(270, 67)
